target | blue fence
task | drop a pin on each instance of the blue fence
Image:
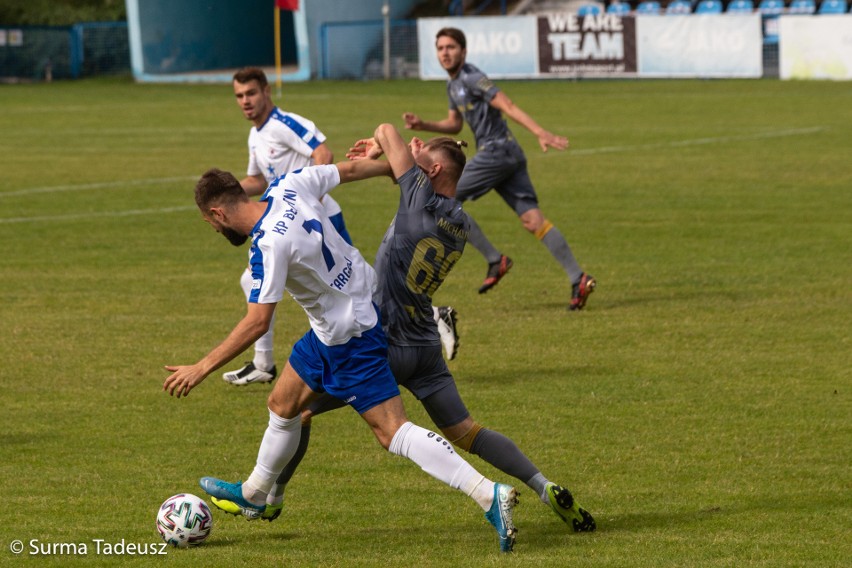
(355, 50)
(68, 52)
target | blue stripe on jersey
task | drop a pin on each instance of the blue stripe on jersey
(274, 184)
(256, 258)
(296, 127)
(257, 275)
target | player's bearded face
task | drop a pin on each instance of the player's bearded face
(235, 238)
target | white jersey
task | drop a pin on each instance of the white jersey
(282, 144)
(296, 248)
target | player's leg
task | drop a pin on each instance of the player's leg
(518, 192)
(502, 452)
(422, 371)
(482, 173)
(275, 498)
(261, 369)
(360, 374)
(298, 385)
(446, 319)
(437, 457)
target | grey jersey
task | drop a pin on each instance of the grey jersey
(423, 242)
(470, 93)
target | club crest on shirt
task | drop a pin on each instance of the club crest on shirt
(484, 84)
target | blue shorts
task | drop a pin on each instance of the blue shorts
(356, 372)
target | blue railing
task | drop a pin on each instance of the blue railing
(457, 7)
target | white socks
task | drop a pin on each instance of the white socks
(263, 359)
(277, 447)
(436, 456)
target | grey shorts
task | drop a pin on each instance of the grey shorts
(423, 371)
(502, 167)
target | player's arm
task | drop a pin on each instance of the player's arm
(386, 140)
(253, 185)
(513, 111)
(322, 155)
(253, 325)
(362, 169)
(450, 125)
(394, 147)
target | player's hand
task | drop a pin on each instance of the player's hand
(412, 121)
(546, 139)
(182, 380)
(365, 149)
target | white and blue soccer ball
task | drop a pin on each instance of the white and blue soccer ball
(184, 520)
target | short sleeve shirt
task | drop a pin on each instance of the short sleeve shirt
(296, 248)
(425, 239)
(284, 143)
(470, 93)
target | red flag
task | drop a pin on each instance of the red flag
(291, 5)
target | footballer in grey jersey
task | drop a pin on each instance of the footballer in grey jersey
(423, 242)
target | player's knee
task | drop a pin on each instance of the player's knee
(465, 441)
(279, 406)
(542, 229)
(533, 220)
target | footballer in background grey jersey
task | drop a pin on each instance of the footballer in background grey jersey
(499, 163)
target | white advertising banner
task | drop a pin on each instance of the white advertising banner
(700, 45)
(815, 47)
(603, 45)
(502, 46)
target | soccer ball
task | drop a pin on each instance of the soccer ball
(184, 520)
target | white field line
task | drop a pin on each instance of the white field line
(580, 152)
(699, 141)
(77, 216)
(87, 186)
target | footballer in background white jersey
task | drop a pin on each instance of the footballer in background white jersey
(279, 142)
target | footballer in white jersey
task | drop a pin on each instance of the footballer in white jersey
(296, 248)
(282, 144)
(286, 143)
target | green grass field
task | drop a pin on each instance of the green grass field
(699, 407)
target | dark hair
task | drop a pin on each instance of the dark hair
(453, 33)
(218, 188)
(451, 153)
(247, 74)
